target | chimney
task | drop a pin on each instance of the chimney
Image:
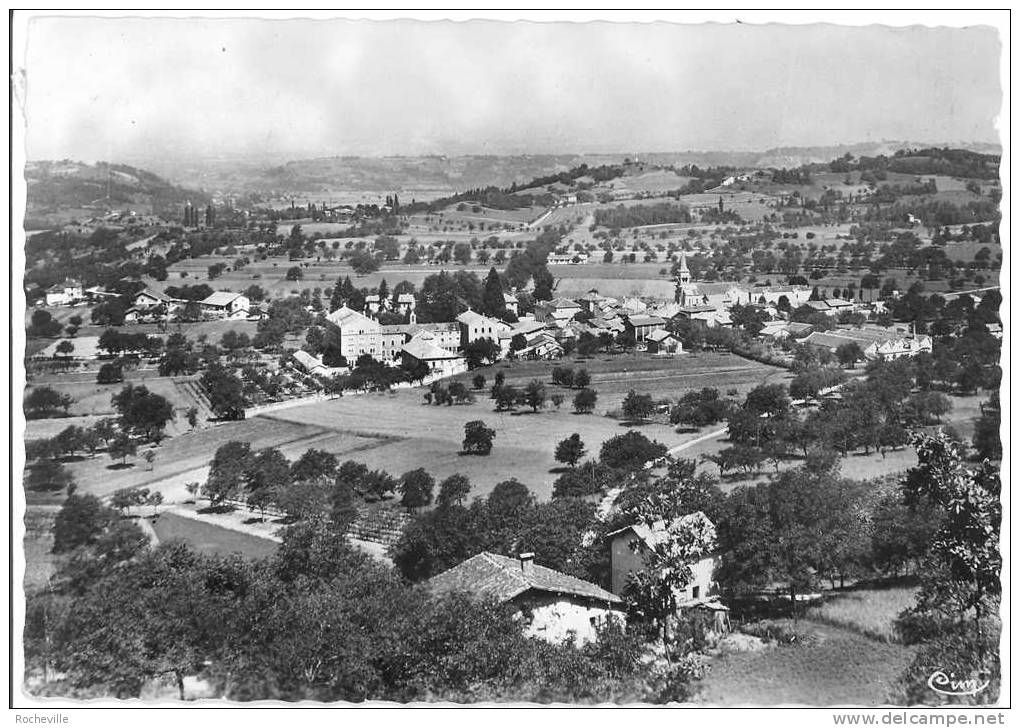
(527, 562)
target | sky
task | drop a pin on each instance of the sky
(112, 88)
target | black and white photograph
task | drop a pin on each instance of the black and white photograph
(501, 359)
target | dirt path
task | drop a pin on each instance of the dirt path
(697, 441)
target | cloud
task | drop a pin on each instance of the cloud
(109, 87)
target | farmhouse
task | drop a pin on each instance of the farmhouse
(627, 549)
(663, 342)
(226, 304)
(553, 605)
(372, 303)
(64, 294)
(439, 361)
(150, 298)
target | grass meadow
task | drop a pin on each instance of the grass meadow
(841, 667)
(210, 539)
(870, 612)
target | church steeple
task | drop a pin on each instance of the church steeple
(684, 274)
(683, 279)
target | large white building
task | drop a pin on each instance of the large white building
(354, 334)
(474, 326)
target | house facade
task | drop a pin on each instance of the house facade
(627, 548)
(354, 334)
(474, 326)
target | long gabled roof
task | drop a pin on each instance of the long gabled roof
(220, 298)
(502, 578)
(344, 316)
(158, 295)
(423, 350)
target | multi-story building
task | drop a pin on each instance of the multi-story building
(354, 334)
(474, 326)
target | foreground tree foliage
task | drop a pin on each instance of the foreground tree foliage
(319, 621)
(956, 618)
(509, 522)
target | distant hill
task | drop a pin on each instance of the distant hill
(349, 179)
(789, 157)
(65, 190)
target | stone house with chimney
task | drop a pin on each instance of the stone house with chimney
(553, 605)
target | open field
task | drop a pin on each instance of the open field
(93, 399)
(488, 215)
(842, 668)
(662, 180)
(397, 432)
(613, 375)
(209, 539)
(870, 612)
(430, 437)
(186, 457)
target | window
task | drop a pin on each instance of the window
(695, 592)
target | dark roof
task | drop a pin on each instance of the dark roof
(502, 578)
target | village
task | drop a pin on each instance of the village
(389, 371)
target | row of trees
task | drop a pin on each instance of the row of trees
(315, 485)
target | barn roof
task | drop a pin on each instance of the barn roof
(220, 298)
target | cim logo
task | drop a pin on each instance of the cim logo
(944, 684)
